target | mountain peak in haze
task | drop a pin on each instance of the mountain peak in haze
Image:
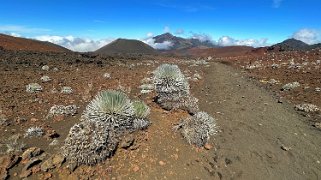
(180, 43)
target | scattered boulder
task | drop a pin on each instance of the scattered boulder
(55, 142)
(6, 163)
(25, 173)
(30, 153)
(4, 174)
(51, 134)
(317, 125)
(55, 161)
(127, 142)
(32, 162)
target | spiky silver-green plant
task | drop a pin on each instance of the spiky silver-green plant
(141, 111)
(173, 89)
(168, 78)
(198, 128)
(109, 106)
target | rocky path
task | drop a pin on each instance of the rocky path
(259, 138)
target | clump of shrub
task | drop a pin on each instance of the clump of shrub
(108, 116)
(307, 107)
(45, 79)
(34, 132)
(106, 75)
(66, 90)
(173, 89)
(33, 88)
(45, 68)
(290, 86)
(62, 110)
(197, 129)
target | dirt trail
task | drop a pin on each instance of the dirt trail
(255, 128)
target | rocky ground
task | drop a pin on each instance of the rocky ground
(278, 71)
(261, 135)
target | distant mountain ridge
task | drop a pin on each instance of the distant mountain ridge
(293, 45)
(126, 46)
(179, 43)
(16, 43)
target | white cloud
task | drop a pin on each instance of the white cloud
(75, 43)
(12, 34)
(167, 29)
(228, 41)
(21, 29)
(151, 41)
(309, 36)
(277, 3)
(202, 37)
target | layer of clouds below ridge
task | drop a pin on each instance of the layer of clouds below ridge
(75, 43)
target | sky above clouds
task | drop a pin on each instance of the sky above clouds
(87, 25)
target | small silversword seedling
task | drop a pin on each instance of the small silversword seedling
(33, 87)
(66, 90)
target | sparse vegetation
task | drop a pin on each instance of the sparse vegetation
(173, 89)
(45, 68)
(34, 132)
(66, 90)
(45, 79)
(33, 88)
(62, 110)
(307, 107)
(290, 86)
(109, 115)
(198, 128)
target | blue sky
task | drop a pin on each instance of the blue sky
(272, 20)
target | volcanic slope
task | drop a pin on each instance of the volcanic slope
(126, 46)
(17, 43)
